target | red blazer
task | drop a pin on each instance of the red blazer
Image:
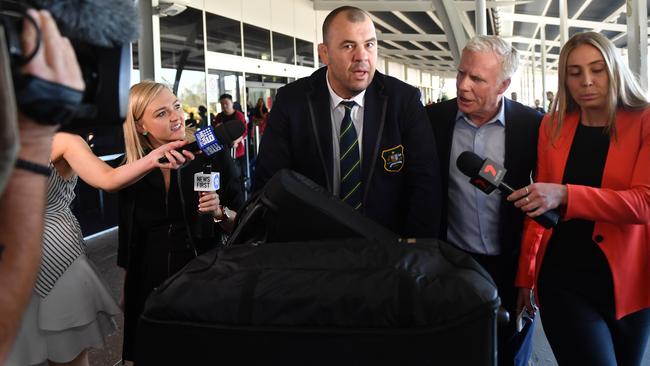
(620, 208)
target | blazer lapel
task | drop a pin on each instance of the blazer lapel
(512, 131)
(374, 117)
(623, 150)
(320, 118)
(447, 123)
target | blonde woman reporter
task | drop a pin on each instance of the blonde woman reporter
(162, 225)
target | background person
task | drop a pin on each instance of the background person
(592, 272)
(229, 113)
(259, 111)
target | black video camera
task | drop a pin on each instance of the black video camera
(106, 72)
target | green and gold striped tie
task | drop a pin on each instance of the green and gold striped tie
(349, 160)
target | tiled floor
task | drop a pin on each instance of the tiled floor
(102, 250)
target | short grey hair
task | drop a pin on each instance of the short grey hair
(508, 54)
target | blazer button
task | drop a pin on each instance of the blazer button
(598, 238)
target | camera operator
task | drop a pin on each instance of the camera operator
(22, 203)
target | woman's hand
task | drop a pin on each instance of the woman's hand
(537, 198)
(209, 203)
(525, 300)
(168, 150)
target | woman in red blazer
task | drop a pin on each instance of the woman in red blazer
(591, 273)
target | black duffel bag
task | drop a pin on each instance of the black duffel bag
(291, 207)
(346, 302)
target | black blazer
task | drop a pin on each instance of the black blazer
(230, 195)
(522, 125)
(142, 266)
(406, 198)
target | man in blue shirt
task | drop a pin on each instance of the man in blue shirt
(483, 121)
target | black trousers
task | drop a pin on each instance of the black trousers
(580, 323)
(503, 269)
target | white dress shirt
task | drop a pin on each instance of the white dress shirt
(337, 112)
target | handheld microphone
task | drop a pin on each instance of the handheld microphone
(487, 176)
(206, 181)
(212, 140)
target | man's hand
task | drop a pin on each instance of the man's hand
(55, 60)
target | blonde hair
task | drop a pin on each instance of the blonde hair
(140, 95)
(623, 92)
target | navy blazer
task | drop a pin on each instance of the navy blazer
(522, 125)
(404, 198)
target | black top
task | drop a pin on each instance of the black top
(160, 231)
(571, 247)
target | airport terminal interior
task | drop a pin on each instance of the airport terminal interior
(249, 49)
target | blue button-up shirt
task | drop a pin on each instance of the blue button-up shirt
(473, 216)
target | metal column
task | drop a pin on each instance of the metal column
(542, 31)
(534, 62)
(637, 39)
(452, 25)
(149, 41)
(528, 87)
(564, 26)
(479, 16)
(145, 42)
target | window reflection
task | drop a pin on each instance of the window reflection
(283, 48)
(257, 42)
(223, 34)
(304, 53)
(182, 56)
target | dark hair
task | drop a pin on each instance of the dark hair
(202, 109)
(225, 96)
(354, 15)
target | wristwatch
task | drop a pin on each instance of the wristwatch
(226, 215)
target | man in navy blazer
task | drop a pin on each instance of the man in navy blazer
(483, 121)
(399, 182)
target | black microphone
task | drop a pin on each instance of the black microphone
(487, 175)
(96, 22)
(207, 181)
(211, 140)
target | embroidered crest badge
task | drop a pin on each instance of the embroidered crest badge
(393, 158)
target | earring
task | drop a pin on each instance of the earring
(145, 133)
